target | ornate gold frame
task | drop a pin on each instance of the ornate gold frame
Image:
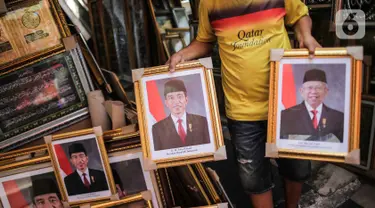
(112, 136)
(99, 135)
(138, 197)
(203, 176)
(59, 19)
(352, 156)
(206, 65)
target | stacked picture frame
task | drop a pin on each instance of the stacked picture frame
(30, 175)
(44, 75)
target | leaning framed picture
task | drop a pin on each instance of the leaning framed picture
(41, 97)
(141, 200)
(29, 184)
(315, 104)
(367, 131)
(130, 177)
(30, 30)
(178, 114)
(81, 166)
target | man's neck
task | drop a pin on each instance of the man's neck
(181, 115)
(314, 107)
(83, 171)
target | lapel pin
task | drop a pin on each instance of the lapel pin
(190, 127)
(92, 179)
(324, 121)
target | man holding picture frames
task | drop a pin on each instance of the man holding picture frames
(245, 32)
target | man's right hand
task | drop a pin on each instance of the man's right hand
(174, 60)
(195, 50)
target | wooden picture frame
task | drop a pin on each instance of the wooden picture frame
(206, 183)
(367, 132)
(30, 30)
(173, 43)
(78, 148)
(192, 186)
(28, 180)
(141, 198)
(158, 153)
(130, 162)
(65, 83)
(367, 7)
(332, 80)
(182, 21)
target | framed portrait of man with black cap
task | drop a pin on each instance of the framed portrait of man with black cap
(315, 104)
(35, 188)
(178, 114)
(81, 165)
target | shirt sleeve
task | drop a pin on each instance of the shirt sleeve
(295, 9)
(205, 31)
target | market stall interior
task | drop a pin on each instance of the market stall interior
(85, 80)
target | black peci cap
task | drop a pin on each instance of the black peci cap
(315, 75)
(174, 85)
(44, 186)
(75, 148)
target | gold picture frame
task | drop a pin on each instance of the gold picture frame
(85, 135)
(144, 196)
(345, 79)
(155, 151)
(20, 179)
(30, 30)
(125, 163)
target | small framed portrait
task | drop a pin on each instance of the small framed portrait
(129, 176)
(32, 186)
(178, 114)
(81, 165)
(315, 104)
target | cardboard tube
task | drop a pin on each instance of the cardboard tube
(98, 114)
(115, 110)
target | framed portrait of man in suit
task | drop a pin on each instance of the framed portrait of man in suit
(34, 186)
(81, 165)
(315, 104)
(178, 114)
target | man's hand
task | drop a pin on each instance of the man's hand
(174, 60)
(303, 34)
(309, 42)
(195, 50)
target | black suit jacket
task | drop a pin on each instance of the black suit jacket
(166, 136)
(74, 183)
(296, 120)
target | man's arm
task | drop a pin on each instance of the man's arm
(195, 50)
(302, 30)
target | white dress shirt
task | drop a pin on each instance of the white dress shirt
(87, 175)
(175, 121)
(319, 109)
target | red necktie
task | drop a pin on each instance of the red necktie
(315, 119)
(181, 131)
(86, 182)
